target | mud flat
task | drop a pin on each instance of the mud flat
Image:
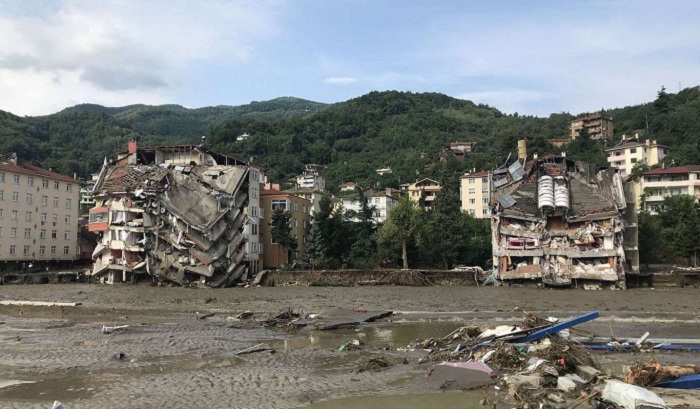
(179, 349)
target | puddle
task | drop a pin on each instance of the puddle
(464, 400)
(63, 389)
(395, 335)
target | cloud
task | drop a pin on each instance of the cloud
(581, 60)
(340, 80)
(113, 52)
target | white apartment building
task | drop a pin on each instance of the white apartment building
(311, 178)
(475, 194)
(383, 201)
(657, 184)
(38, 216)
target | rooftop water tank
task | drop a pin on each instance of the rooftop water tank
(561, 193)
(545, 193)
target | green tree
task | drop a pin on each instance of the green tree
(401, 226)
(316, 249)
(681, 222)
(281, 231)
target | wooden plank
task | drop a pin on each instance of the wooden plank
(39, 303)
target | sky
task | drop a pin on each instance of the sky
(530, 57)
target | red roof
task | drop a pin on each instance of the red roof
(34, 171)
(270, 192)
(674, 170)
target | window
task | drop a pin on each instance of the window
(42, 250)
(67, 219)
(30, 198)
(30, 181)
(633, 160)
(254, 229)
(484, 190)
(1, 215)
(45, 183)
(2, 177)
(55, 185)
(280, 205)
(472, 201)
(44, 200)
(42, 234)
(66, 235)
(471, 181)
(260, 248)
(472, 190)
(15, 196)
(304, 209)
(2, 195)
(261, 212)
(68, 203)
(66, 250)
(55, 202)
(28, 217)
(485, 179)
(253, 211)
(54, 234)
(54, 218)
(485, 211)
(414, 193)
(27, 233)
(69, 187)
(296, 206)
(633, 150)
(485, 201)
(13, 249)
(304, 223)
(376, 200)
(472, 212)
(13, 232)
(14, 215)
(26, 250)
(15, 179)
(53, 250)
(44, 217)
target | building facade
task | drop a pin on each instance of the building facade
(299, 210)
(312, 195)
(658, 184)
(598, 126)
(382, 201)
(425, 189)
(311, 178)
(181, 214)
(39, 216)
(475, 194)
(628, 153)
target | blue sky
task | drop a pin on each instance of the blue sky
(531, 57)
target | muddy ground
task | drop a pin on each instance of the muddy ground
(175, 358)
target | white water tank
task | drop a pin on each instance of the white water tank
(561, 193)
(545, 193)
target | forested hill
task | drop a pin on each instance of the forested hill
(401, 130)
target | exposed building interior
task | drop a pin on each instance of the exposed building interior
(561, 222)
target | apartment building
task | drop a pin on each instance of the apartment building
(657, 184)
(475, 194)
(312, 195)
(382, 201)
(299, 209)
(629, 152)
(425, 189)
(180, 214)
(38, 216)
(311, 178)
(597, 125)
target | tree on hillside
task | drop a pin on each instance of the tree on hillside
(281, 231)
(335, 231)
(441, 238)
(401, 226)
(363, 228)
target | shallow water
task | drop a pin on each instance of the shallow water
(462, 400)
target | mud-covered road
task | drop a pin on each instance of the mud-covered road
(173, 358)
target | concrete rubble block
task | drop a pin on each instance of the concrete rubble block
(588, 373)
(568, 383)
(530, 381)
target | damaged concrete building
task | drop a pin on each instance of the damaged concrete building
(562, 222)
(179, 214)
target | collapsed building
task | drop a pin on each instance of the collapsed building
(179, 214)
(562, 222)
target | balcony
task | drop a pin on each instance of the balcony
(98, 219)
(616, 158)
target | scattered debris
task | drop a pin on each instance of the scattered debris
(57, 405)
(355, 344)
(39, 303)
(204, 316)
(110, 329)
(631, 396)
(651, 373)
(119, 356)
(375, 364)
(244, 315)
(255, 348)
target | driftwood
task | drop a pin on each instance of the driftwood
(650, 373)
